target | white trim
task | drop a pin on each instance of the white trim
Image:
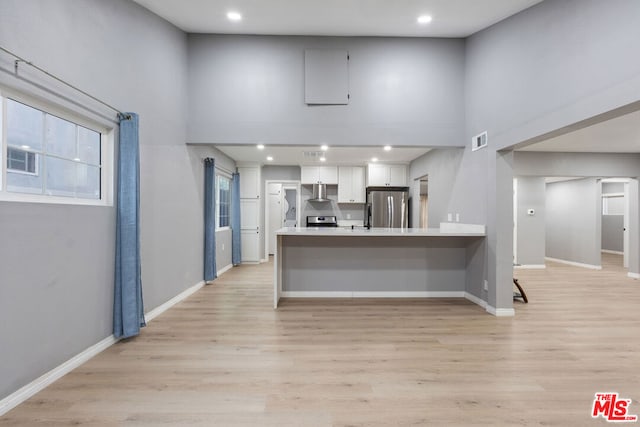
(573, 263)
(225, 269)
(501, 312)
(607, 251)
(173, 301)
(474, 299)
(40, 383)
(633, 275)
(371, 294)
(530, 266)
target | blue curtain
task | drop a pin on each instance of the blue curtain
(236, 249)
(128, 309)
(210, 272)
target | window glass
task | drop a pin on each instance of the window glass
(88, 146)
(19, 180)
(24, 126)
(224, 199)
(50, 155)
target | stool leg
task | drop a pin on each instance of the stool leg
(524, 296)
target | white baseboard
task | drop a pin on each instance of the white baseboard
(633, 275)
(575, 264)
(225, 269)
(374, 294)
(530, 266)
(474, 299)
(501, 312)
(24, 393)
(173, 301)
(607, 251)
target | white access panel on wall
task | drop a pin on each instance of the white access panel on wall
(326, 76)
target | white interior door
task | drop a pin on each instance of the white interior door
(515, 220)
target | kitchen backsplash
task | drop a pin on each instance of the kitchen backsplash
(346, 213)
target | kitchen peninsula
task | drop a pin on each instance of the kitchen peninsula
(378, 262)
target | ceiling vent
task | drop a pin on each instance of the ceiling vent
(313, 155)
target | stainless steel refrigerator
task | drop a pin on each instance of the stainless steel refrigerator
(387, 207)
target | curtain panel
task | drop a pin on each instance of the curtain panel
(128, 308)
(210, 271)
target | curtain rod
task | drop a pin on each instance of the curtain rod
(20, 59)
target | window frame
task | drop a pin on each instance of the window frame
(107, 146)
(220, 174)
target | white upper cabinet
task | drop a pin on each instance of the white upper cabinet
(351, 187)
(379, 175)
(319, 174)
(249, 182)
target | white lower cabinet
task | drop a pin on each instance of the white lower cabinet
(250, 243)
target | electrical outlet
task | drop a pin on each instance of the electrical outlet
(348, 216)
(486, 286)
(457, 217)
(449, 217)
(223, 246)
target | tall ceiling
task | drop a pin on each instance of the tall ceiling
(451, 18)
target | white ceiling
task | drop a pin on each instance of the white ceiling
(451, 18)
(295, 155)
(619, 135)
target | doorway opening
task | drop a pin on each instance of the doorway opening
(424, 201)
(282, 209)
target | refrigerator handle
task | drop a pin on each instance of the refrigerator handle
(390, 211)
(368, 213)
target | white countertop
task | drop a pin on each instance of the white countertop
(379, 232)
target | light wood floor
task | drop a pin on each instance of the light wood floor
(224, 357)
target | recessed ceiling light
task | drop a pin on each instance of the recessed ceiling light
(387, 148)
(323, 159)
(234, 16)
(374, 159)
(424, 19)
(324, 147)
(76, 159)
(260, 146)
(26, 147)
(269, 158)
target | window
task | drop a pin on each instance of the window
(223, 201)
(21, 161)
(51, 156)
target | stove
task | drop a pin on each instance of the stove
(322, 221)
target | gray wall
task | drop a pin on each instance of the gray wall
(531, 229)
(61, 302)
(576, 164)
(612, 233)
(443, 167)
(248, 89)
(573, 221)
(541, 70)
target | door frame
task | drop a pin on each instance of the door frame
(283, 182)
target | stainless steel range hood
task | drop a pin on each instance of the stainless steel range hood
(319, 193)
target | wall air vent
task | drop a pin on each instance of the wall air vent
(479, 141)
